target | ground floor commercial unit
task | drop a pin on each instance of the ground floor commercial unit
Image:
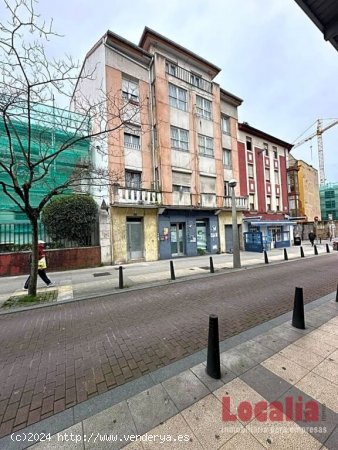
(262, 235)
(148, 234)
(187, 232)
(134, 235)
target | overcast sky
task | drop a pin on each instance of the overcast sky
(270, 53)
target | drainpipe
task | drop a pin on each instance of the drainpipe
(152, 120)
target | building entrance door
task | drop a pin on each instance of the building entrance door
(201, 231)
(177, 239)
(134, 239)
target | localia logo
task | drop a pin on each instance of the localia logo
(278, 411)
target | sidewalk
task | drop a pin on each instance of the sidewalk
(179, 406)
(98, 281)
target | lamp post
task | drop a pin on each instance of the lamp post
(236, 253)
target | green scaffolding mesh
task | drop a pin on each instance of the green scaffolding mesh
(50, 130)
(329, 201)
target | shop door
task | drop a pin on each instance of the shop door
(177, 239)
(201, 231)
(229, 242)
(134, 239)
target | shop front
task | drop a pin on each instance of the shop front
(187, 233)
(267, 235)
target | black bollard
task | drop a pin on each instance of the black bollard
(298, 320)
(286, 258)
(327, 248)
(172, 271)
(212, 270)
(320, 240)
(213, 358)
(301, 252)
(266, 260)
(120, 277)
(315, 249)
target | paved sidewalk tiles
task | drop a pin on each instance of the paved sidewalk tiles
(184, 401)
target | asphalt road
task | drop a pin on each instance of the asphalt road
(54, 357)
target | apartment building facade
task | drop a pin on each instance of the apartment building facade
(174, 156)
(303, 191)
(263, 177)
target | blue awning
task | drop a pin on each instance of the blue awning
(268, 223)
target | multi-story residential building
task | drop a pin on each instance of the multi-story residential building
(263, 177)
(175, 155)
(303, 191)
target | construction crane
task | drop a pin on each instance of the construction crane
(319, 132)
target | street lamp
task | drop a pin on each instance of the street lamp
(236, 253)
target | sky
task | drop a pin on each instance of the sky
(271, 55)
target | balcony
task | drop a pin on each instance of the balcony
(242, 203)
(187, 76)
(181, 198)
(208, 200)
(136, 196)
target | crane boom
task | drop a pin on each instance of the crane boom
(319, 133)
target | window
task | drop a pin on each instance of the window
(252, 202)
(133, 179)
(250, 171)
(276, 177)
(181, 182)
(195, 80)
(277, 204)
(130, 90)
(208, 185)
(226, 189)
(205, 145)
(181, 189)
(179, 139)
(132, 141)
(267, 174)
(225, 125)
(330, 204)
(275, 152)
(248, 143)
(171, 68)
(329, 194)
(226, 157)
(266, 148)
(177, 97)
(268, 203)
(203, 107)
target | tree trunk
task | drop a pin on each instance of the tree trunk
(35, 258)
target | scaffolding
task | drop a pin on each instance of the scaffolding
(329, 201)
(48, 129)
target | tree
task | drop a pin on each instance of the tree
(33, 150)
(70, 217)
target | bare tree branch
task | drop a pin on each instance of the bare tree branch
(38, 139)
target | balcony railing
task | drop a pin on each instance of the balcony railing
(128, 195)
(181, 198)
(241, 203)
(208, 200)
(188, 77)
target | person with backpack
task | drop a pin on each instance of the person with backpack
(42, 266)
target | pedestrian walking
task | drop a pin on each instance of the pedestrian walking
(42, 266)
(312, 237)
